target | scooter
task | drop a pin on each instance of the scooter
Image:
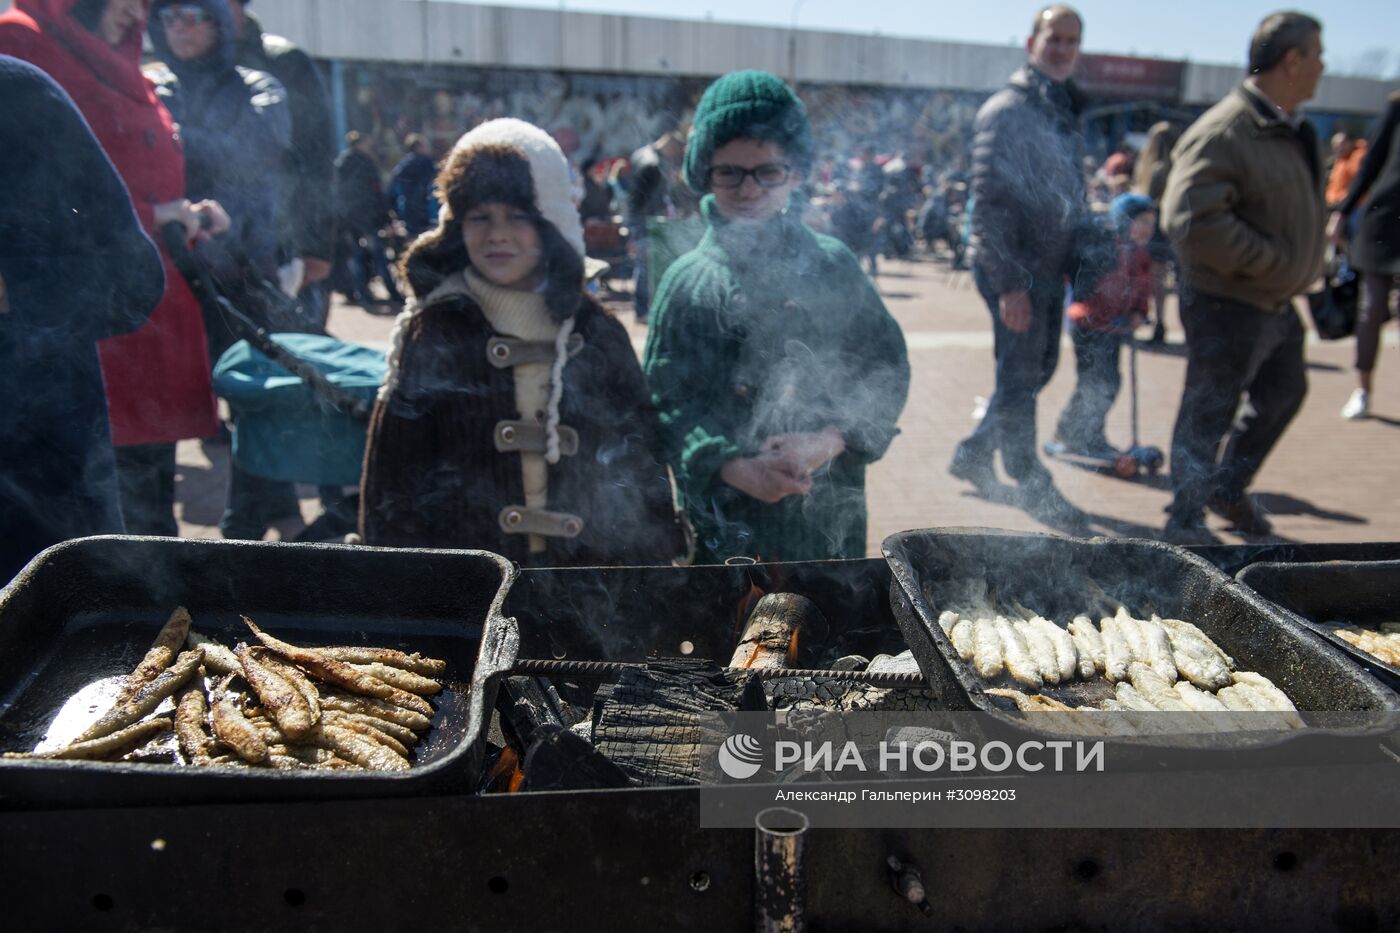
(1127, 464)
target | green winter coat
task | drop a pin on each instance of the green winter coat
(766, 331)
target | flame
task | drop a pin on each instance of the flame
(506, 775)
(792, 649)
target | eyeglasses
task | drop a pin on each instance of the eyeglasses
(185, 14)
(767, 175)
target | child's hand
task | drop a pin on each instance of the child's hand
(811, 450)
(769, 477)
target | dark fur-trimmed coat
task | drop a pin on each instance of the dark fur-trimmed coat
(433, 477)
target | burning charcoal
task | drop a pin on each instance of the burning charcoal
(528, 703)
(560, 760)
(902, 663)
(851, 662)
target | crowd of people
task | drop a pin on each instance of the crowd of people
(514, 414)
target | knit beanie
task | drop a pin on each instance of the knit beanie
(1125, 208)
(746, 105)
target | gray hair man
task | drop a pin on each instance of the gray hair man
(1031, 227)
(1244, 208)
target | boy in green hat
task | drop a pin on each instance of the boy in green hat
(777, 373)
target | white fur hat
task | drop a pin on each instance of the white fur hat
(549, 170)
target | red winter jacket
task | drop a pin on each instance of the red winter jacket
(158, 378)
(1123, 293)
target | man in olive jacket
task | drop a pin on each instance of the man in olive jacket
(1244, 209)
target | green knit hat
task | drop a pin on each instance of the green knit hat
(746, 105)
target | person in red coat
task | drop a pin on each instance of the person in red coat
(157, 378)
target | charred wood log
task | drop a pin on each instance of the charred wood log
(655, 722)
(769, 638)
(528, 703)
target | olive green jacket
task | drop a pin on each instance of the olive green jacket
(1244, 205)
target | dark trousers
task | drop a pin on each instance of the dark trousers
(1375, 308)
(1232, 349)
(1096, 354)
(254, 503)
(1024, 364)
(641, 273)
(146, 485)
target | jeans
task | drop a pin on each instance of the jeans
(1096, 354)
(1024, 364)
(254, 503)
(1232, 349)
(146, 485)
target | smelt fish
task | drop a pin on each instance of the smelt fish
(190, 709)
(1040, 649)
(148, 697)
(404, 734)
(1277, 699)
(346, 721)
(1159, 649)
(1156, 688)
(946, 620)
(1239, 699)
(1066, 656)
(1192, 631)
(369, 706)
(1089, 645)
(963, 639)
(398, 677)
(1030, 704)
(287, 707)
(109, 745)
(292, 675)
(1116, 654)
(1134, 701)
(354, 747)
(1198, 699)
(987, 656)
(233, 729)
(1132, 635)
(341, 673)
(1019, 663)
(415, 662)
(218, 659)
(160, 655)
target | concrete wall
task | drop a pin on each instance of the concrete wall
(472, 34)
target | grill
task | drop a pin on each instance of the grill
(259, 856)
(1321, 595)
(87, 609)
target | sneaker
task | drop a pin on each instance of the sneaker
(1188, 531)
(1242, 515)
(1358, 406)
(973, 468)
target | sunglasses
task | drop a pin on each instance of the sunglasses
(184, 14)
(767, 175)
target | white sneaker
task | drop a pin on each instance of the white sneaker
(1358, 406)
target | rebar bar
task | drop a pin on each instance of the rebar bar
(601, 670)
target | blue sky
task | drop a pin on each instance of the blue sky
(1361, 36)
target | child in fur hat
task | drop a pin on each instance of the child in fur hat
(513, 417)
(776, 371)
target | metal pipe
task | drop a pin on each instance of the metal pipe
(780, 883)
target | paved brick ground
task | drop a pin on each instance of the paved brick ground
(1329, 480)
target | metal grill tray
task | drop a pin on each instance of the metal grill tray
(1050, 573)
(89, 608)
(1318, 595)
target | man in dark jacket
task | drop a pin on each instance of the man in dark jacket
(411, 187)
(653, 166)
(307, 222)
(362, 212)
(1030, 228)
(75, 267)
(1244, 209)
